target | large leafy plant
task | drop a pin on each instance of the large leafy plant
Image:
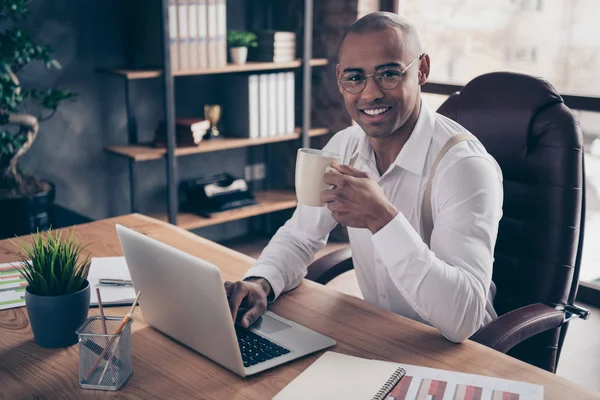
(53, 265)
(21, 108)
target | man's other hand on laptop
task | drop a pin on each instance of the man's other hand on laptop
(250, 294)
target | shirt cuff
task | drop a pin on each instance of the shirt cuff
(397, 241)
(272, 275)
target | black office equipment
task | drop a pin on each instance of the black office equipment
(214, 193)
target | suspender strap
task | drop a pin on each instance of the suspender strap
(354, 155)
(426, 209)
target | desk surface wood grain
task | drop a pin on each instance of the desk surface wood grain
(165, 369)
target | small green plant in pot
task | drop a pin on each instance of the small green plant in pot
(238, 42)
(57, 296)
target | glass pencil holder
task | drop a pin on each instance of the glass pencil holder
(104, 359)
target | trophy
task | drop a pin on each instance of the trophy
(212, 112)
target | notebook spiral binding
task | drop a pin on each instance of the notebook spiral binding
(389, 385)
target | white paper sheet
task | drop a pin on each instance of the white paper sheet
(111, 268)
(12, 287)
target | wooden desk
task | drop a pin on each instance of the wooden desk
(164, 369)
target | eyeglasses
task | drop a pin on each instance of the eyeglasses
(388, 78)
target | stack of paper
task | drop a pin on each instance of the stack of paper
(110, 268)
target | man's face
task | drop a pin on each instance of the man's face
(374, 52)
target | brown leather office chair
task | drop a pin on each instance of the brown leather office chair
(524, 124)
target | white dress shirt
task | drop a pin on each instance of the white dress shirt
(446, 286)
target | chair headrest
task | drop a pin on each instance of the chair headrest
(500, 106)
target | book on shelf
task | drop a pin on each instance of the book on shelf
(263, 105)
(183, 34)
(212, 34)
(221, 33)
(272, 101)
(241, 117)
(259, 105)
(282, 99)
(188, 132)
(173, 34)
(275, 46)
(202, 34)
(267, 34)
(197, 34)
(290, 104)
(194, 34)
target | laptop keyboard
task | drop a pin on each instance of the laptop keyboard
(256, 349)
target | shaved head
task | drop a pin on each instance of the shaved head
(377, 49)
(381, 21)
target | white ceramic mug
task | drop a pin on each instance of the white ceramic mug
(311, 165)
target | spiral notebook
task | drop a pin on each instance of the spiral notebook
(339, 376)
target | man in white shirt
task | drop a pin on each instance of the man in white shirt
(381, 197)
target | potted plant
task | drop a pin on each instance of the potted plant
(238, 42)
(25, 200)
(57, 295)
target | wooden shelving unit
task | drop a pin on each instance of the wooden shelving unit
(268, 202)
(142, 152)
(133, 74)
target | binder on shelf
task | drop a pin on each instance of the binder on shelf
(221, 33)
(212, 33)
(241, 107)
(193, 34)
(263, 101)
(202, 34)
(290, 113)
(272, 96)
(254, 106)
(281, 104)
(173, 35)
(184, 35)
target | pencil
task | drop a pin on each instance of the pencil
(109, 359)
(119, 330)
(101, 311)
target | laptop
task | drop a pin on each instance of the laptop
(183, 296)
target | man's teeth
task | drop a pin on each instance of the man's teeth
(376, 111)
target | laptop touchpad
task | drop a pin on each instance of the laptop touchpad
(268, 325)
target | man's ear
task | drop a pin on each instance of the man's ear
(424, 66)
(338, 75)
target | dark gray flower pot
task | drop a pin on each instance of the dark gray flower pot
(54, 319)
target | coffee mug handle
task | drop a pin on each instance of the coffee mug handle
(329, 169)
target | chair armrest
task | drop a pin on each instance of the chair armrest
(328, 267)
(518, 325)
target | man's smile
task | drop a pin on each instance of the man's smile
(375, 113)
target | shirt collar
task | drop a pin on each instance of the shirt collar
(414, 153)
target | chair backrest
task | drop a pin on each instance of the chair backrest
(523, 122)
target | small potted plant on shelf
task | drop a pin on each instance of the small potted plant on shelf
(238, 42)
(25, 200)
(57, 295)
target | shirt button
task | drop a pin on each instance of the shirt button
(382, 296)
(379, 260)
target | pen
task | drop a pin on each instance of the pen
(116, 282)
